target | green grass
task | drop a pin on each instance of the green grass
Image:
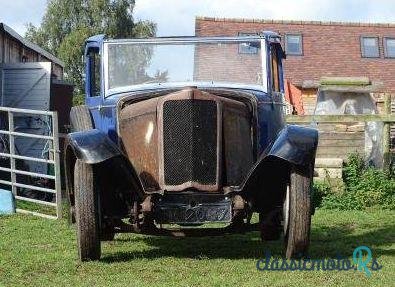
(41, 252)
(36, 207)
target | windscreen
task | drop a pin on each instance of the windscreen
(130, 64)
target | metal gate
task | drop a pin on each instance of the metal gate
(16, 175)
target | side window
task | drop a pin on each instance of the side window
(370, 47)
(244, 48)
(294, 44)
(389, 47)
(94, 72)
(274, 62)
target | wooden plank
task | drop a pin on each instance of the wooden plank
(341, 135)
(327, 151)
(336, 150)
(345, 81)
(392, 131)
(322, 162)
(328, 172)
(2, 35)
(387, 133)
(341, 156)
(341, 143)
(328, 138)
(340, 118)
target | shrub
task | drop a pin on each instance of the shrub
(353, 170)
(78, 99)
(321, 189)
(364, 187)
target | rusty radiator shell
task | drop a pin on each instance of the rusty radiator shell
(141, 135)
(190, 94)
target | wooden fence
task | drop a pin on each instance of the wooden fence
(341, 135)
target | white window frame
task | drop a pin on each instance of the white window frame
(363, 55)
(385, 39)
(300, 35)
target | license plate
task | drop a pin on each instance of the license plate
(200, 213)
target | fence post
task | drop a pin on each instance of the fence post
(386, 132)
(56, 152)
(12, 151)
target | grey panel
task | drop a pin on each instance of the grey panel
(27, 86)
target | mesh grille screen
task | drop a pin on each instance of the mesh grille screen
(190, 141)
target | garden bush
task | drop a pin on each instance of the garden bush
(364, 187)
(78, 99)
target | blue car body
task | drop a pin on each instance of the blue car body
(278, 146)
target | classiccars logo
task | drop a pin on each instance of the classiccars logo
(362, 261)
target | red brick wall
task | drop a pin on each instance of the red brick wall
(329, 49)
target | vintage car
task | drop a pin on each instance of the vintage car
(177, 133)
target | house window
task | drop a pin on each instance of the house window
(389, 47)
(370, 47)
(245, 48)
(294, 44)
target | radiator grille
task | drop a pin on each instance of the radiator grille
(190, 141)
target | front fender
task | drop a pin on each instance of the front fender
(92, 146)
(118, 178)
(295, 144)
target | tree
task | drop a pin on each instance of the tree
(67, 23)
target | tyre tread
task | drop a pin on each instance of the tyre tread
(87, 219)
(80, 119)
(298, 237)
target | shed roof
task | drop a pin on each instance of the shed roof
(30, 45)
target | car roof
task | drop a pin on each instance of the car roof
(268, 35)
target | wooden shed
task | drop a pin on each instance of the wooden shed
(16, 49)
(32, 78)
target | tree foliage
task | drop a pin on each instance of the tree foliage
(67, 23)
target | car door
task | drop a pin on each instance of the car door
(277, 85)
(93, 90)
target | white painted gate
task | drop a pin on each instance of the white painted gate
(29, 132)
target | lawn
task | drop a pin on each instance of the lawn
(42, 252)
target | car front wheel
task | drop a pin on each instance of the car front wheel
(86, 212)
(297, 212)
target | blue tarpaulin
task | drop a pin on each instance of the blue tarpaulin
(7, 203)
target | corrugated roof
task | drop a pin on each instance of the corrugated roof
(295, 22)
(30, 45)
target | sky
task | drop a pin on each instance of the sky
(177, 17)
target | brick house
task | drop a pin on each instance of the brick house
(316, 49)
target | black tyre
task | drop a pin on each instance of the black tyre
(107, 236)
(86, 212)
(80, 119)
(270, 226)
(297, 224)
